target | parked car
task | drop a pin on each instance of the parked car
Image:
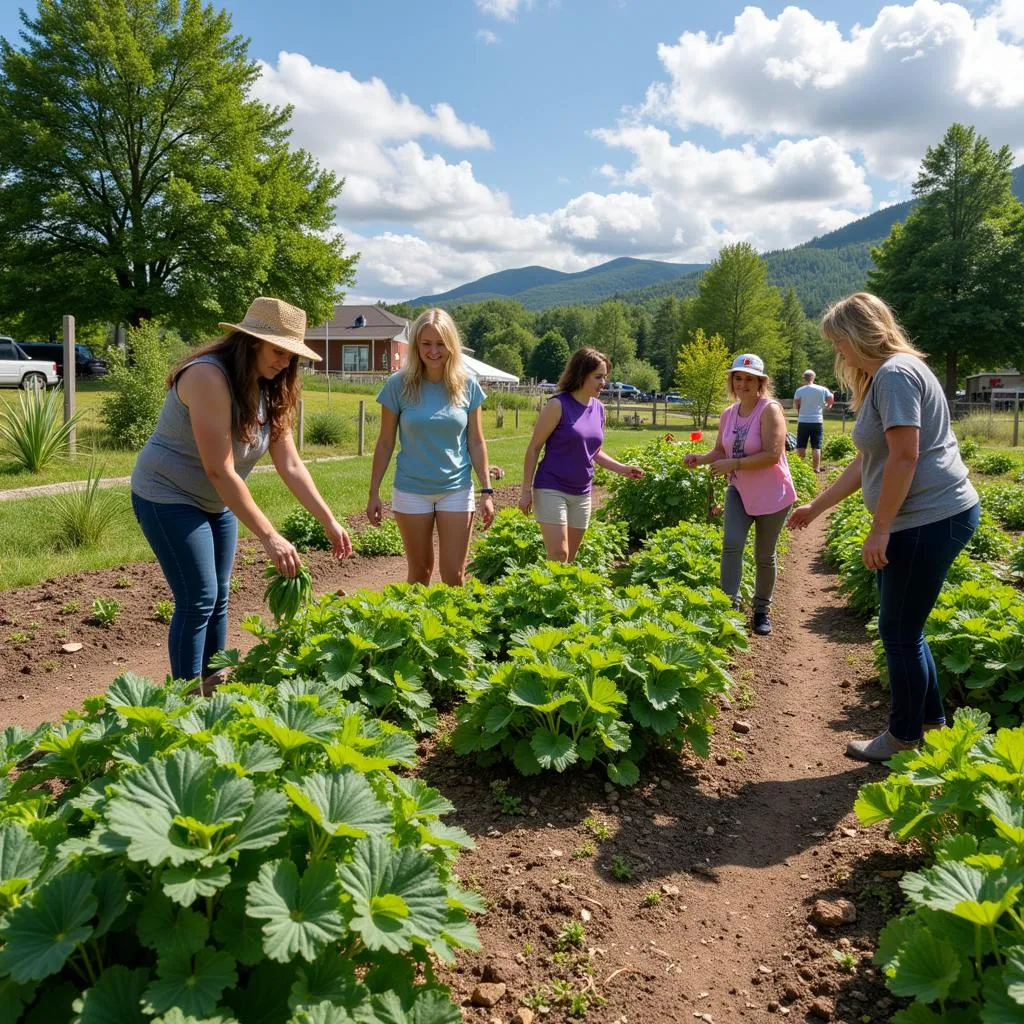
(17, 370)
(546, 386)
(672, 397)
(616, 389)
(86, 364)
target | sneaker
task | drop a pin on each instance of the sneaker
(762, 624)
(735, 604)
(878, 750)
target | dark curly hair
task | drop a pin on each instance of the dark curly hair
(582, 363)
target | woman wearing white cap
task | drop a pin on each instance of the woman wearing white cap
(227, 404)
(751, 452)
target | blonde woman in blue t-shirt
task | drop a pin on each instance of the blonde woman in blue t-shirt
(433, 408)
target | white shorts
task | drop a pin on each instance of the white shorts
(427, 504)
(556, 508)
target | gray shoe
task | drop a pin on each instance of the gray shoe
(878, 750)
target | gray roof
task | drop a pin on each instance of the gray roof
(377, 324)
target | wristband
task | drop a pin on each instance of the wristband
(486, 490)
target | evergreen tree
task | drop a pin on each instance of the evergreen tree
(139, 179)
(666, 337)
(610, 333)
(954, 271)
(792, 334)
(549, 357)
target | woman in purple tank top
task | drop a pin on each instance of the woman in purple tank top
(570, 429)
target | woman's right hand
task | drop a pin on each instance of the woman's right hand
(691, 459)
(802, 516)
(374, 510)
(282, 553)
(526, 501)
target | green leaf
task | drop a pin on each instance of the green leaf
(186, 884)
(331, 978)
(192, 984)
(342, 803)
(926, 969)
(302, 917)
(111, 893)
(175, 1016)
(245, 759)
(553, 750)
(323, 1013)
(169, 929)
(238, 934)
(532, 692)
(40, 935)
(396, 895)
(1000, 1006)
(116, 998)
(21, 857)
(623, 772)
(525, 759)
(13, 998)
(136, 699)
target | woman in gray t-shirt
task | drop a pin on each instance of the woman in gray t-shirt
(916, 486)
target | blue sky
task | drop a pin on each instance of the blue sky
(477, 135)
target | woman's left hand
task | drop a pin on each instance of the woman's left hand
(341, 543)
(722, 467)
(487, 510)
(633, 472)
(873, 552)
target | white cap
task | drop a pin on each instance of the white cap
(748, 363)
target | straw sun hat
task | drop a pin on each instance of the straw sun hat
(277, 322)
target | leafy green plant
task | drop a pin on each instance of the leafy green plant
(804, 480)
(583, 851)
(379, 541)
(845, 961)
(105, 610)
(82, 516)
(621, 869)
(249, 856)
(571, 935)
(1006, 503)
(286, 596)
(329, 428)
(1016, 560)
(508, 803)
(123, 582)
(304, 530)
(838, 448)
(34, 432)
(993, 464)
(989, 543)
(969, 448)
(163, 610)
(652, 898)
(69, 607)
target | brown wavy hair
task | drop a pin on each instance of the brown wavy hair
(582, 363)
(237, 351)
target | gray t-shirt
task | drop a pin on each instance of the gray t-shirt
(812, 403)
(905, 393)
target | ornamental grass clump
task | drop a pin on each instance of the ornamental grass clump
(82, 516)
(35, 433)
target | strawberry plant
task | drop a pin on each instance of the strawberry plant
(1006, 503)
(993, 463)
(838, 448)
(250, 856)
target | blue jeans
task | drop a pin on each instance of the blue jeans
(919, 559)
(196, 551)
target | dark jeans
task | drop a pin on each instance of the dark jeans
(919, 559)
(196, 551)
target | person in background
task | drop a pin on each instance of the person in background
(227, 404)
(810, 402)
(433, 407)
(751, 452)
(570, 429)
(924, 508)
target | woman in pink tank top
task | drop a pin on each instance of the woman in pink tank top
(751, 453)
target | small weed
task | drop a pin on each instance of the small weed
(744, 695)
(652, 899)
(234, 584)
(845, 961)
(123, 582)
(538, 999)
(582, 851)
(250, 560)
(527, 948)
(163, 610)
(62, 634)
(737, 754)
(882, 896)
(840, 876)
(561, 958)
(598, 829)
(105, 610)
(561, 991)
(50, 665)
(621, 869)
(571, 935)
(508, 803)
(18, 638)
(69, 608)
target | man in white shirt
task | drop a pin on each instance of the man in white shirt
(810, 402)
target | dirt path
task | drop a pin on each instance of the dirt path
(728, 856)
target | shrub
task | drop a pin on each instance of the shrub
(378, 541)
(993, 464)
(327, 427)
(34, 433)
(304, 530)
(969, 448)
(250, 856)
(138, 379)
(1006, 503)
(989, 543)
(838, 447)
(82, 516)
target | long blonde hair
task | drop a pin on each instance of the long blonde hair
(871, 327)
(455, 373)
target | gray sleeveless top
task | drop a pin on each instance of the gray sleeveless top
(169, 470)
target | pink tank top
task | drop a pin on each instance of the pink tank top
(763, 491)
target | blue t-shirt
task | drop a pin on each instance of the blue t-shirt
(433, 434)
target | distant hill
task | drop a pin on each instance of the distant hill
(821, 271)
(539, 287)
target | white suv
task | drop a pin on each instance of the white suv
(17, 370)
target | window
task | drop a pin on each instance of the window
(7, 350)
(355, 358)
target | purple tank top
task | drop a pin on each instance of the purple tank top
(568, 463)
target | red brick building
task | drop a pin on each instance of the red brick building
(360, 339)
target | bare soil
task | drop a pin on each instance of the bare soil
(727, 856)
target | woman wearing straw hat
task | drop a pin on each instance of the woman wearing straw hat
(227, 404)
(751, 452)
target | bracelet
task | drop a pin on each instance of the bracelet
(486, 490)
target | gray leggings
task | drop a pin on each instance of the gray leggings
(766, 536)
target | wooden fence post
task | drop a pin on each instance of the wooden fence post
(362, 427)
(69, 381)
(517, 418)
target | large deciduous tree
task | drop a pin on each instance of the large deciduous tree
(610, 333)
(700, 373)
(140, 179)
(736, 302)
(954, 271)
(548, 359)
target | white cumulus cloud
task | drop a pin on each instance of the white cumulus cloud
(505, 10)
(486, 36)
